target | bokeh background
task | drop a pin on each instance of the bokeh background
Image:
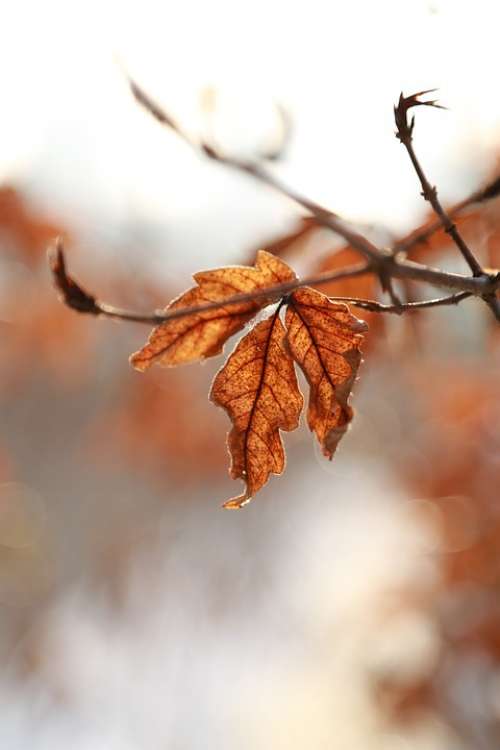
(353, 604)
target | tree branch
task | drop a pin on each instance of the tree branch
(384, 263)
(421, 235)
(488, 283)
(322, 215)
(398, 308)
(404, 133)
(380, 261)
(77, 298)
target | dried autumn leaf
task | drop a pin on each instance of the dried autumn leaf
(172, 442)
(425, 241)
(203, 334)
(258, 389)
(324, 339)
(363, 287)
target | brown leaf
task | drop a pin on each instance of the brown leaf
(364, 287)
(187, 436)
(324, 339)
(258, 389)
(204, 334)
(423, 243)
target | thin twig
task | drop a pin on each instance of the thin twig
(381, 261)
(404, 133)
(398, 308)
(82, 301)
(488, 283)
(257, 171)
(423, 234)
(77, 298)
(323, 215)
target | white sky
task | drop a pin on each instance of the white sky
(71, 133)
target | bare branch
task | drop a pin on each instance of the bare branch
(423, 234)
(493, 303)
(154, 109)
(323, 215)
(75, 297)
(400, 307)
(405, 134)
(492, 190)
(380, 261)
(78, 299)
(385, 264)
(487, 283)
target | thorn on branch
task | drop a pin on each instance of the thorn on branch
(404, 126)
(71, 292)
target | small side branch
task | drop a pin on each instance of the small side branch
(399, 308)
(418, 236)
(404, 133)
(380, 261)
(74, 296)
(385, 264)
(256, 170)
(423, 234)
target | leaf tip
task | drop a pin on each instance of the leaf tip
(359, 326)
(236, 503)
(71, 293)
(332, 439)
(139, 362)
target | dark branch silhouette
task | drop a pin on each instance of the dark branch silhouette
(386, 264)
(75, 297)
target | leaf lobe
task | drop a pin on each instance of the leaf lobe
(203, 334)
(258, 389)
(324, 339)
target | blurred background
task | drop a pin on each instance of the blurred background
(352, 604)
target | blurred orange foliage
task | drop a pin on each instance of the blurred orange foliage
(25, 229)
